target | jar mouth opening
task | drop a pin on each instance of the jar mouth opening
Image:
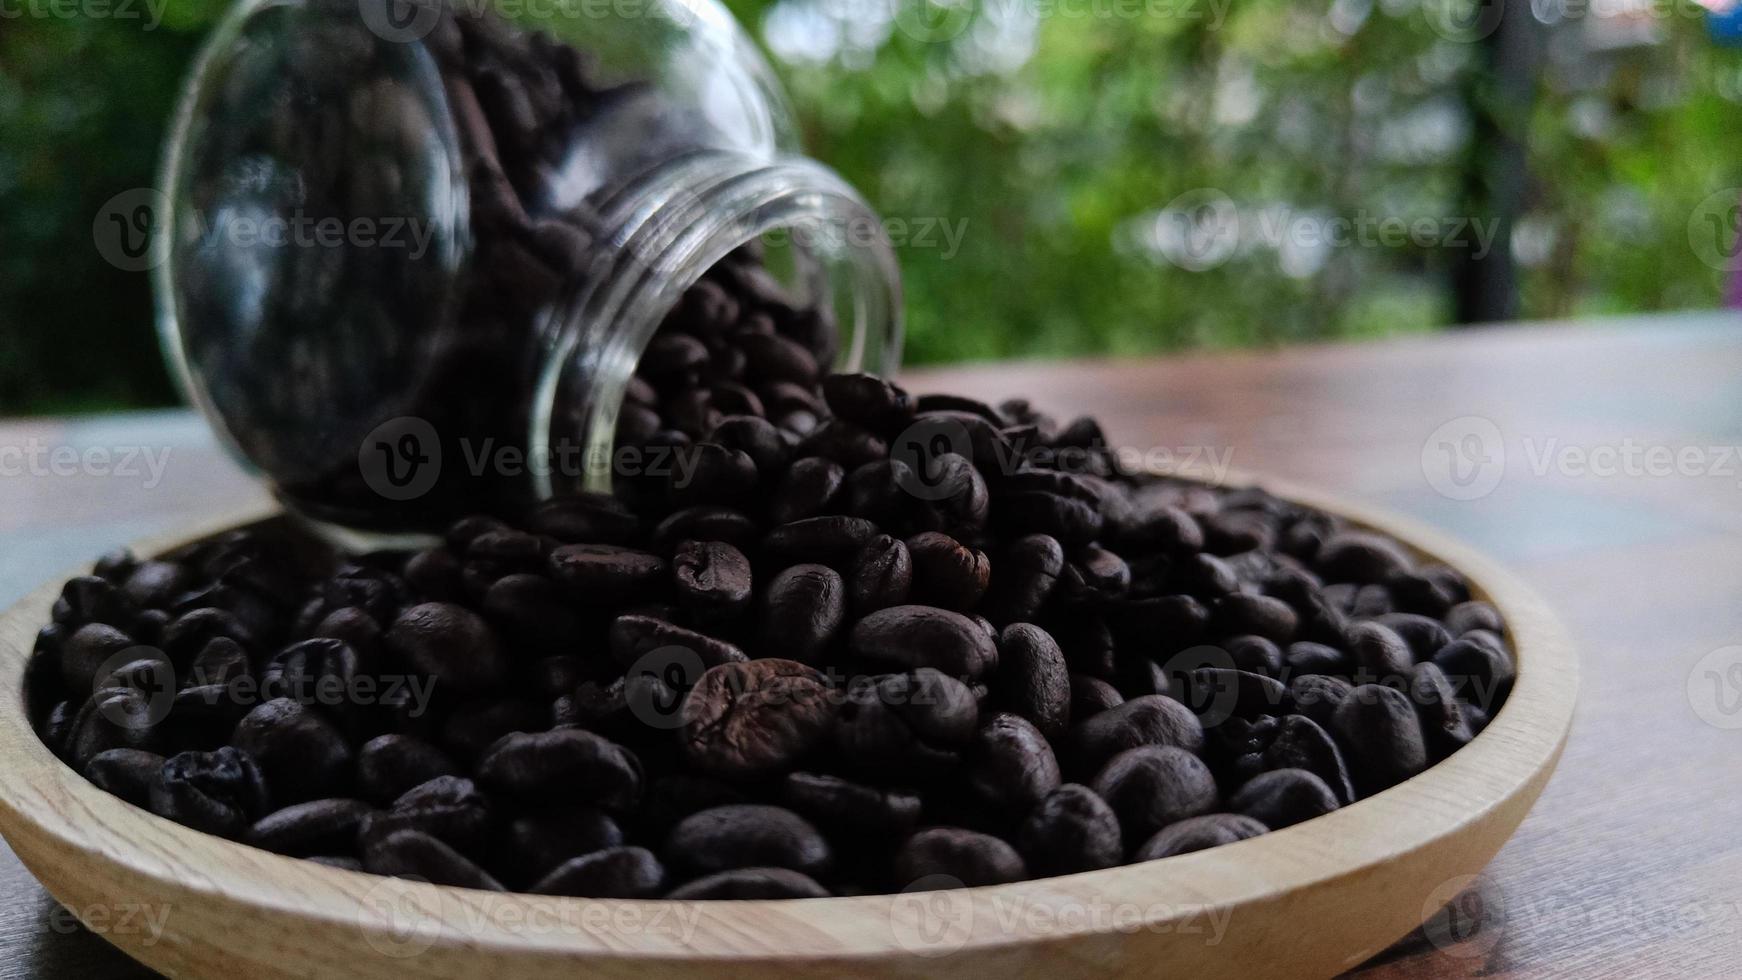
(669, 230)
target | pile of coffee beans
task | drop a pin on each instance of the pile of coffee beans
(855, 642)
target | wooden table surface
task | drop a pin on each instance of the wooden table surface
(1600, 460)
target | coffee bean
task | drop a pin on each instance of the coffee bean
(585, 518)
(1153, 786)
(755, 718)
(1200, 834)
(1317, 696)
(1239, 614)
(1148, 721)
(1033, 679)
(1070, 831)
(1360, 558)
(731, 838)
(411, 854)
(633, 637)
(803, 610)
(1023, 578)
(1378, 651)
(604, 574)
(127, 773)
(1425, 636)
(881, 577)
(315, 827)
(1090, 696)
(564, 765)
(1283, 798)
(831, 541)
(304, 756)
(620, 872)
(869, 402)
(1256, 655)
(1217, 693)
(1301, 743)
(218, 792)
(448, 808)
(1443, 724)
(1377, 729)
(1010, 763)
(1478, 666)
(923, 636)
(534, 844)
(1306, 658)
(1471, 616)
(390, 765)
(87, 650)
(947, 573)
(850, 808)
(922, 720)
(749, 885)
(713, 581)
(807, 490)
(450, 643)
(963, 858)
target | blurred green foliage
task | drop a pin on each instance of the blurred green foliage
(1129, 175)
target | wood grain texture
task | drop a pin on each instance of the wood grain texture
(1628, 867)
(1309, 901)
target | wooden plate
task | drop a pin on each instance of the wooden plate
(1307, 901)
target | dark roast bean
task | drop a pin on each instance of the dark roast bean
(706, 524)
(1033, 679)
(950, 857)
(218, 792)
(1070, 831)
(730, 838)
(749, 884)
(315, 827)
(1479, 667)
(532, 845)
(850, 808)
(1301, 743)
(600, 574)
(1090, 696)
(450, 643)
(588, 518)
(1010, 764)
(1306, 658)
(1424, 635)
(803, 610)
(448, 807)
(1377, 729)
(921, 719)
(415, 855)
(127, 773)
(923, 636)
(845, 443)
(302, 754)
(1264, 616)
(869, 401)
(564, 765)
(1318, 695)
(620, 872)
(89, 599)
(1200, 834)
(1023, 578)
(1217, 693)
(947, 573)
(1153, 786)
(1443, 724)
(1256, 655)
(881, 576)
(713, 581)
(87, 650)
(806, 490)
(1283, 798)
(391, 765)
(1379, 653)
(634, 637)
(755, 718)
(1470, 616)
(831, 541)
(1070, 520)
(1359, 558)
(1148, 721)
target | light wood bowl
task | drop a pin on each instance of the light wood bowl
(1307, 901)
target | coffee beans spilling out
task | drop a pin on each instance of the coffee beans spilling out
(845, 644)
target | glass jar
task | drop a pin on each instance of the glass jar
(416, 252)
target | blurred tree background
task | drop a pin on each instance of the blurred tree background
(1134, 175)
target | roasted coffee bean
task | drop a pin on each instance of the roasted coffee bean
(1165, 529)
(1033, 679)
(749, 884)
(1070, 520)
(1379, 653)
(127, 773)
(391, 765)
(473, 726)
(922, 636)
(845, 443)
(803, 610)
(448, 807)
(450, 643)
(620, 872)
(1283, 798)
(1090, 696)
(585, 518)
(411, 854)
(1443, 724)
(730, 838)
(713, 581)
(1070, 831)
(1200, 834)
(1479, 668)
(806, 490)
(1306, 658)
(314, 672)
(1359, 558)
(218, 792)
(831, 541)
(947, 573)
(1239, 614)
(1425, 636)
(869, 402)
(1217, 693)
(1471, 616)
(1168, 622)
(302, 754)
(1381, 737)
(1256, 655)
(89, 599)
(1149, 721)
(354, 626)
(115, 718)
(1318, 695)
(87, 650)
(1301, 743)
(1094, 575)
(534, 844)
(601, 574)
(1023, 578)
(755, 718)
(315, 827)
(564, 765)
(156, 583)
(923, 719)
(1010, 764)
(840, 805)
(634, 637)
(714, 475)
(1153, 786)
(951, 496)
(881, 576)
(951, 857)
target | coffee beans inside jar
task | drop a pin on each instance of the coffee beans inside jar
(849, 640)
